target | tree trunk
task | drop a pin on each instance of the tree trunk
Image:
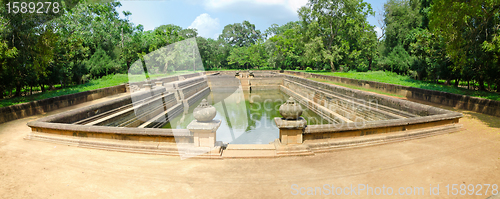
(18, 90)
(457, 81)
(370, 65)
(42, 87)
(1, 92)
(481, 85)
(332, 67)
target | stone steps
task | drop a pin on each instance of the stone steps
(272, 150)
(249, 151)
(154, 148)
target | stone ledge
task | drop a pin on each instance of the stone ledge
(309, 147)
(480, 105)
(18, 111)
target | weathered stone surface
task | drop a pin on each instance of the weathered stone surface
(290, 110)
(480, 105)
(300, 123)
(291, 130)
(204, 133)
(204, 112)
(41, 106)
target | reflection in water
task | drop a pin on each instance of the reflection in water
(247, 118)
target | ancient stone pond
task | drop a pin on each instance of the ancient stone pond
(159, 112)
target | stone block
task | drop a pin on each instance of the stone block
(291, 130)
(204, 133)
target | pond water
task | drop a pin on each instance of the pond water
(247, 117)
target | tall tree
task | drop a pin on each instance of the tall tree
(334, 29)
(470, 29)
(240, 34)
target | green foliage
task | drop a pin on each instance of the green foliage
(394, 78)
(452, 40)
(240, 34)
(398, 60)
(338, 33)
(471, 30)
(401, 17)
(100, 64)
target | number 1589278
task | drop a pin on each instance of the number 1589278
(32, 7)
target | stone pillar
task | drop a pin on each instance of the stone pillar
(147, 87)
(204, 128)
(291, 130)
(127, 87)
(204, 133)
(291, 125)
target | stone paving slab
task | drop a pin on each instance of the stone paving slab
(249, 154)
(250, 147)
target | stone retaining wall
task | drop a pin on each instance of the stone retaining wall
(53, 124)
(260, 82)
(18, 111)
(316, 94)
(486, 106)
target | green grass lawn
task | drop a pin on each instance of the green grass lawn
(106, 81)
(393, 78)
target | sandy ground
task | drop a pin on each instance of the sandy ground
(32, 169)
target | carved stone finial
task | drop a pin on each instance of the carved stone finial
(290, 110)
(204, 112)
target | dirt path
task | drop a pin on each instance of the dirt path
(31, 169)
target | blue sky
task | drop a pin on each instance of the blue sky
(210, 16)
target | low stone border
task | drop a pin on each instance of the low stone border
(19, 111)
(480, 105)
(309, 148)
(433, 121)
(318, 92)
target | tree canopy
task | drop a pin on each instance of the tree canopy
(425, 39)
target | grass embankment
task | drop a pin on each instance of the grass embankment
(393, 78)
(357, 87)
(106, 81)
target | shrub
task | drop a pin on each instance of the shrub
(101, 64)
(309, 69)
(327, 67)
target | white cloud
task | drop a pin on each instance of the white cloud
(294, 5)
(290, 5)
(378, 30)
(265, 11)
(206, 25)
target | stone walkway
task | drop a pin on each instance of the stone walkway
(31, 169)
